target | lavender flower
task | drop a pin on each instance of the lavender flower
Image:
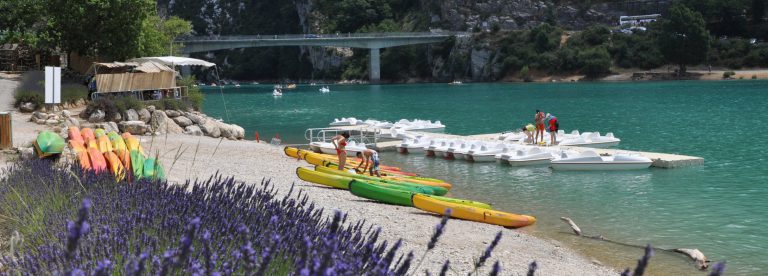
(496, 269)
(532, 268)
(445, 267)
(487, 254)
(76, 230)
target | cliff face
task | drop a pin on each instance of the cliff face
(474, 57)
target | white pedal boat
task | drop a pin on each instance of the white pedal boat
(351, 121)
(413, 145)
(591, 161)
(530, 156)
(592, 140)
(486, 153)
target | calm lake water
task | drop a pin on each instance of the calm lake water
(719, 207)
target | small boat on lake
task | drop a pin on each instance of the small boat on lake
(455, 82)
(277, 92)
(486, 152)
(528, 156)
(592, 140)
(591, 161)
(351, 121)
(325, 89)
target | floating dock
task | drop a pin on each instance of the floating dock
(660, 160)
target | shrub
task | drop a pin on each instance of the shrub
(104, 104)
(596, 62)
(196, 96)
(28, 97)
(728, 74)
(124, 103)
(172, 104)
(71, 93)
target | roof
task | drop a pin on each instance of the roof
(145, 67)
(175, 61)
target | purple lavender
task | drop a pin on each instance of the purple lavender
(76, 230)
(532, 268)
(487, 254)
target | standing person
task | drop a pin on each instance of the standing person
(552, 126)
(340, 142)
(539, 120)
(369, 155)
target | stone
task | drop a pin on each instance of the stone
(172, 113)
(26, 153)
(145, 115)
(161, 124)
(133, 127)
(182, 121)
(40, 121)
(71, 121)
(66, 113)
(51, 122)
(197, 119)
(131, 115)
(27, 107)
(210, 128)
(117, 117)
(234, 132)
(39, 115)
(53, 117)
(151, 108)
(193, 130)
(109, 126)
(97, 116)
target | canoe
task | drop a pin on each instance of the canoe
(98, 163)
(115, 165)
(77, 146)
(378, 193)
(426, 189)
(132, 143)
(104, 144)
(99, 132)
(472, 213)
(118, 144)
(137, 164)
(319, 160)
(153, 170)
(49, 143)
(125, 158)
(335, 181)
(419, 181)
(466, 202)
(73, 133)
(87, 134)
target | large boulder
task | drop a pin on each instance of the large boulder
(210, 128)
(51, 122)
(193, 130)
(131, 115)
(37, 115)
(97, 116)
(117, 117)
(108, 127)
(72, 121)
(197, 119)
(133, 127)
(161, 124)
(173, 113)
(66, 113)
(151, 108)
(144, 115)
(27, 107)
(182, 121)
(231, 131)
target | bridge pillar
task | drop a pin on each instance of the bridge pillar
(375, 65)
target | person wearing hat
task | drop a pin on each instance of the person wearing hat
(552, 127)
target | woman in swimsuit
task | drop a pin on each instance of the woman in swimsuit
(539, 119)
(340, 142)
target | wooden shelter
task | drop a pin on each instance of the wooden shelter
(145, 80)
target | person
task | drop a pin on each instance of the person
(340, 143)
(539, 120)
(552, 126)
(528, 130)
(369, 155)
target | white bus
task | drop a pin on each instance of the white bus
(638, 20)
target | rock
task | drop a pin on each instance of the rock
(182, 121)
(27, 107)
(193, 130)
(117, 117)
(53, 117)
(51, 122)
(133, 127)
(151, 108)
(172, 113)
(26, 153)
(109, 126)
(72, 122)
(66, 113)
(131, 115)
(197, 119)
(210, 128)
(145, 115)
(40, 121)
(231, 131)
(97, 116)
(161, 124)
(39, 115)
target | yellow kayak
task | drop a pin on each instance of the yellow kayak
(104, 144)
(335, 181)
(472, 213)
(133, 144)
(115, 165)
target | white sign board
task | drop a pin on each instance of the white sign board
(52, 85)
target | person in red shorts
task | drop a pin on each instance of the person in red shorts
(539, 120)
(552, 127)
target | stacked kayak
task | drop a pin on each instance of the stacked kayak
(121, 155)
(401, 189)
(48, 143)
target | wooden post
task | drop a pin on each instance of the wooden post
(6, 130)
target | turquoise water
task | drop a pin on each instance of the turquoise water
(719, 207)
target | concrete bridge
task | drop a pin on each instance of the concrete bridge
(373, 41)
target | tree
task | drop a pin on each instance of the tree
(596, 61)
(683, 39)
(758, 11)
(157, 35)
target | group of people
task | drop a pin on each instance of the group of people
(368, 156)
(535, 134)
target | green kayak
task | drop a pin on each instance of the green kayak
(137, 164)
(50, 143)
(153, 170)
(99, 132)
(379, 193)
(434, 190)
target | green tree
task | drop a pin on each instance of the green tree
(157, 35)
(758, 11)
(595, 62)
(24, 21)
(683, 39)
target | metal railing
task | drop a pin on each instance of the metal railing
(319, 36)
(368, 136)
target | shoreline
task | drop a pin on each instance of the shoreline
(250, 162)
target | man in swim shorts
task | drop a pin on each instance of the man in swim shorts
(552, 127)
(539, 120)
(371, 156)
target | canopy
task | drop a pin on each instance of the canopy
(121, 67)
(175, 61)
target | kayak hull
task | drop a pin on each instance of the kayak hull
(472, 213)
(382, 194)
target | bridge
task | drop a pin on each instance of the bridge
(373, 41)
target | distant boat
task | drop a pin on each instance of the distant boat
(455, 83)
(325, 89)
(213, 84)
(312, 84)
(237, 85)
(290, 86)
(277, 92)
(255, 82)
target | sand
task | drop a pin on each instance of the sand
(189, 157)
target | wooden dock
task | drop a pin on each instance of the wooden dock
(660, 160)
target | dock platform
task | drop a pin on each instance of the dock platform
(660, 160)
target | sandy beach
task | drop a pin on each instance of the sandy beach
(193, 157)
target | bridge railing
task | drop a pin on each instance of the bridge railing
(318, 36)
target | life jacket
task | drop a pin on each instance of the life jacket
(553, 124)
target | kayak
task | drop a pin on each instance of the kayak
(434, 190)
(137, 164)
(77, 146)
(472, 213)
(378, 193)
(99, 132)
(153, 170)
(82, 154)
(335, 181)
(132, 143)
(466, 202)
(87, 134)
(118, 144)
(320, 160)
(49, 143)
(104, 144)
(125, 158)
(115, 165)
(98, 163)
(73, 133)
(419, 181)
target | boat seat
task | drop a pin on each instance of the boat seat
(589, 153)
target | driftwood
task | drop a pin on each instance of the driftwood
(697, 256)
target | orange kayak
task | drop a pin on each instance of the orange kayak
(74, 134)
(104, 144)
(115, 165)
(98, 163)
(77, 146)
(82, 154)
(87, 134)
(125, 158)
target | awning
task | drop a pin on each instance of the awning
(175, 61)
(120, 67)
